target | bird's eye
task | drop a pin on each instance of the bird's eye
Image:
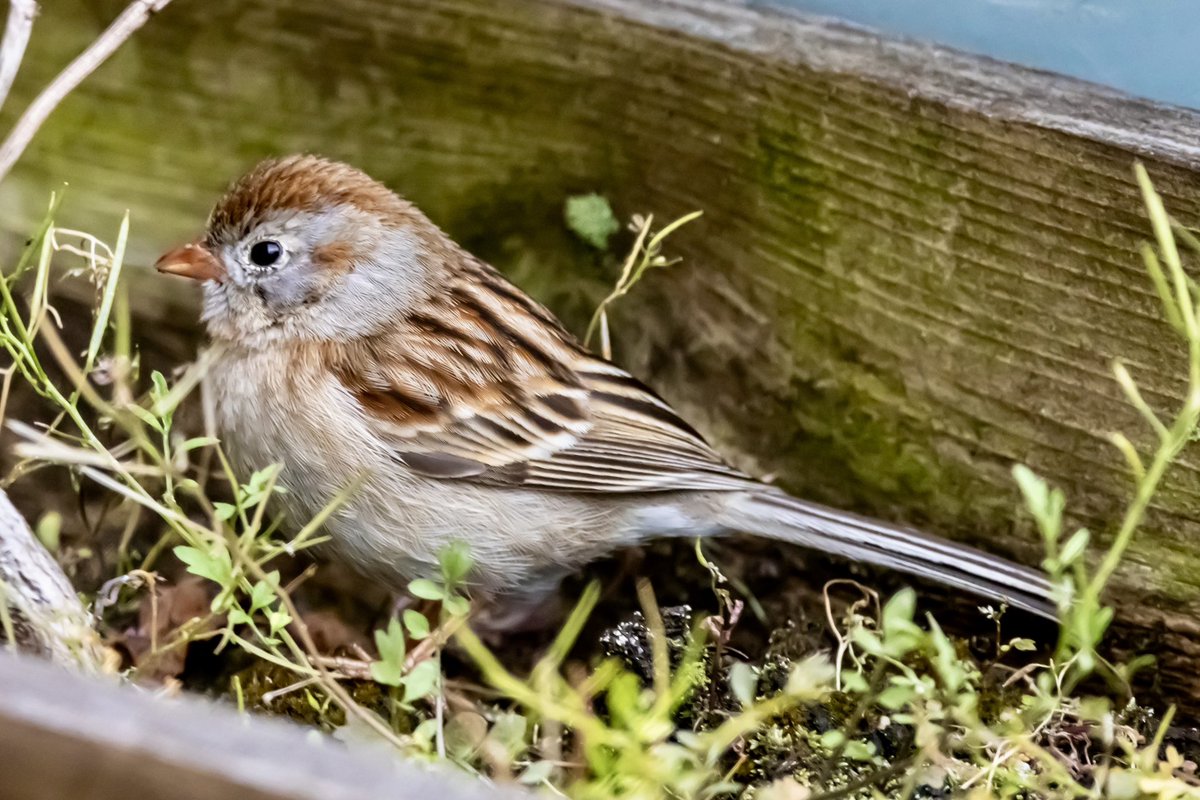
(266, 253)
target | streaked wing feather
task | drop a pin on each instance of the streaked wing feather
(521, 428)
(589, 438)
(637, 444)
(483, 385)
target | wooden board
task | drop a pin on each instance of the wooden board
(914, 269)
(66, 736)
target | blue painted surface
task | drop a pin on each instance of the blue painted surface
(1146, 47)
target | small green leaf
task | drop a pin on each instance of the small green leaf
(854, 682)
(1033, 487)
(896, 696)
(456, 605)
(866, 640)
(216, 565)
(945, 659)
(416, 623)
(387, 673)
(421, 680)
(238, 617)
(253, 492)
(391, 643)
(425, 589)
(259, 480)
(1045, 504)
(456, 562)
(898, 612)
(263, 593)
(833, 739)
(591, 218)
(224, 511)
(860, 751)
(278, 619)
(1074, 547)
(389, 669)
(146, 417)
(159, 389)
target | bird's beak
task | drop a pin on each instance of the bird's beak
(192, 260)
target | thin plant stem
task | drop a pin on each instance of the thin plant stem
(135, 15)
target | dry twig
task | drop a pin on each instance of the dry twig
(43, 614)
(16, 36)
(133, 17)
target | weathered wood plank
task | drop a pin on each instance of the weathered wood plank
(46, 614)
(915, 266)
(63, 735)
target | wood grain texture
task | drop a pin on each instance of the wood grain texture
(63, 735)
(915, 267)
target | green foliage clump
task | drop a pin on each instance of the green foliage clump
(591, 218)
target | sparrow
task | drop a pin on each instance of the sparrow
(359, 345)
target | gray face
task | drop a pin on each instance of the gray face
(278, 262)
(332, 274)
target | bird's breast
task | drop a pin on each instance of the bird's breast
(395, 523)
(275, 410)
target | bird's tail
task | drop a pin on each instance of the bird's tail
(786, 519)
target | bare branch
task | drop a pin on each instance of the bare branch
(38, 606)
(133, 17)
(16, 36)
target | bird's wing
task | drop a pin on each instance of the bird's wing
(489, 398)
(608, 433)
